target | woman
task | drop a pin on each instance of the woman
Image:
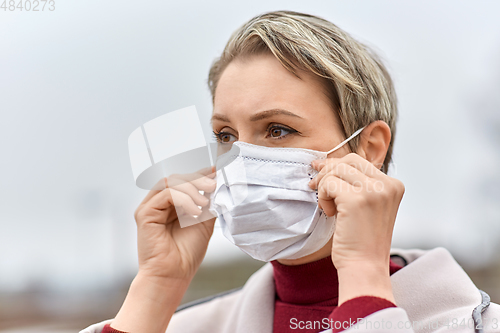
(287, 89)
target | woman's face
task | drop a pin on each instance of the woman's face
(258, 101)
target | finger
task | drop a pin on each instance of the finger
(207, 172)
(363, 165)
(162, 183)
(202, 183)
(189, 189)
(345, 172)
(319, 164)
(160, 201)
(324, 167)
(328, 190)
(205, 215)
(187, 219)
(171, 198)
(352, 159)
(205, 184)
(177, 199)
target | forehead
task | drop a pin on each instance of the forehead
(260, 82)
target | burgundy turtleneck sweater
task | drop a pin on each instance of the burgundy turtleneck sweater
(308, 294)
(307, 298)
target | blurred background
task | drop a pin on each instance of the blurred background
(76, 81)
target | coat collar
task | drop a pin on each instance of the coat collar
(432, 282)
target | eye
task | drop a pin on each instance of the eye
(279, 132)
(224, 137)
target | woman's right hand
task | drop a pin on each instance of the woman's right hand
(165, 249)
(168, 254)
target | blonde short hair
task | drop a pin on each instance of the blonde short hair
(358, 84)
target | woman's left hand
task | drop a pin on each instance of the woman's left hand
(366, 202)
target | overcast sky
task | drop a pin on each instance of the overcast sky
(76, 81)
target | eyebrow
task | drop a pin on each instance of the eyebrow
(258, 116)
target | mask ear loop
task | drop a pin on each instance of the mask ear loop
(346, 140)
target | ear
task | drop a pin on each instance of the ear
(373, 142)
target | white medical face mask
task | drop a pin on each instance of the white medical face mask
(265, 205)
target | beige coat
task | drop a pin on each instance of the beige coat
(433, 294)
